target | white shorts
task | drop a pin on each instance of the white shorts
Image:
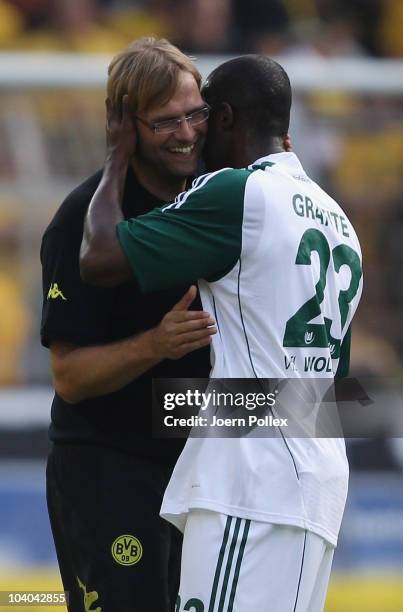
(237, 565)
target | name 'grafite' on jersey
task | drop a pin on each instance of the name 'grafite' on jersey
(280, 268)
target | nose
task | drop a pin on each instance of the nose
(185, 132)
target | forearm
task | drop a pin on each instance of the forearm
(102, 260)
(81, 373)
(105, 210)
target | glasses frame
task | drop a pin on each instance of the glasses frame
(174, 124)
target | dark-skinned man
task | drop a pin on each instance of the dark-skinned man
(280, 263)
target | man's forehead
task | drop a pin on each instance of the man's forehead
(186, 98)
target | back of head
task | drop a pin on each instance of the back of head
(258, 90)
(148, 70)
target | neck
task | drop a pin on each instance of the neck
(164, 187)
(254, 150)
(247, 149)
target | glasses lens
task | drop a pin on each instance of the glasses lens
(199, 116)
(170, 125)
(164, 127)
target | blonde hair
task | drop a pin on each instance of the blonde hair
(148, 71)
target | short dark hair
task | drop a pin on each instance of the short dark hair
(257, 88)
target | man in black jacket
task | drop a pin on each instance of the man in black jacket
(106, 475)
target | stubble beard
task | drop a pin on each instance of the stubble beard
(157, 166)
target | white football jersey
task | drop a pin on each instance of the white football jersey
(280, 269)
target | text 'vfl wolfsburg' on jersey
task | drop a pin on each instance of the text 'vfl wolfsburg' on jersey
(280, 269)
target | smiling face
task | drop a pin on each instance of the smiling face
(172, 156)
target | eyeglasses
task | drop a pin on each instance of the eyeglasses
(171, 125)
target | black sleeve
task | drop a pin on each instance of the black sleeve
(72, 311)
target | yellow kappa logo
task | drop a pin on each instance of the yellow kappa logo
(127, 550)
(54, 292)
(89, 598)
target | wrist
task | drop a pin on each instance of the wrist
(149, 347)
(116, 161)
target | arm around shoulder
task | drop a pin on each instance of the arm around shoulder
(102, 260)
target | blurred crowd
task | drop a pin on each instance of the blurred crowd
(352, 144)
(325, 27)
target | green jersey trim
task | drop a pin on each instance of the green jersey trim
(198, 236)
(262, 165)
(344, 361)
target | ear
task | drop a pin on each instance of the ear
(226, 115)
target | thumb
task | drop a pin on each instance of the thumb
(126, 117)
(186, 299)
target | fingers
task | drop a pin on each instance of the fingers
(108, 106)
(193, 346)
(112, 119)
(113, 115)
(182, 316)
(182, 331)
(193, 325)
(125, 106)
(194, 336)
(186, 299)
(127, 121)
(175, 340)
